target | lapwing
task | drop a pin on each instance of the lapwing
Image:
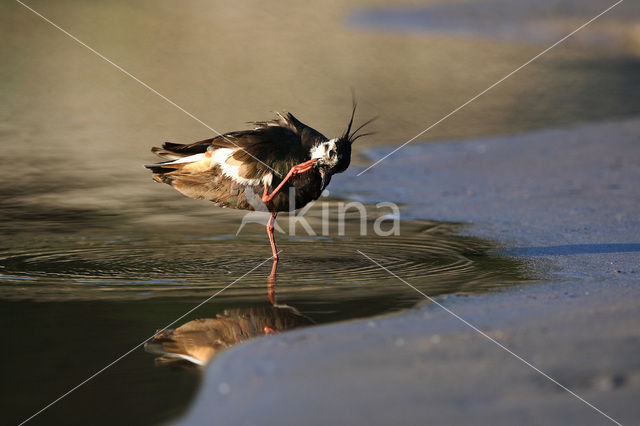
(260, 168)
(197, 341)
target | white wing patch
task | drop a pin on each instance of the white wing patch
(231, 169)
(220, 157)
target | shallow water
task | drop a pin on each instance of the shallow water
(89, 268)
(74, 302)
(95, 257)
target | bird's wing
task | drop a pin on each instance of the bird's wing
(308, 136)
(246, 156)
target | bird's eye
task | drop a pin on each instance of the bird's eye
(332, 153)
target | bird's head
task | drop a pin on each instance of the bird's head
(334, 156)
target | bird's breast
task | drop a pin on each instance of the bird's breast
(305, 187)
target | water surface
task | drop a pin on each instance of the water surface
(75, 301)
(95, 257)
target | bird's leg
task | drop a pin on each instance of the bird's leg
(272, 239)
(271, 287)
(295, 170)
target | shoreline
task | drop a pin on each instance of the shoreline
(566, 199)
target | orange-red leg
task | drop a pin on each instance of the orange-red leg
(269, 330)
(295, 170)
(272, 238)
(271, 287)
(266, 197)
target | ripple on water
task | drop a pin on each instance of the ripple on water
(435, 260)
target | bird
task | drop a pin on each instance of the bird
(196, 342)
(280, 165)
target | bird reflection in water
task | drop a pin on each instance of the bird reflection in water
(194, 343)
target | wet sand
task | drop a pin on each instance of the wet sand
(565, 200)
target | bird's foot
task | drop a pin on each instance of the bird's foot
(295, 170)
(269, 330)
(302, 167)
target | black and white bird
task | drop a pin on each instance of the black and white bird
(197, 341)
(258, 168)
